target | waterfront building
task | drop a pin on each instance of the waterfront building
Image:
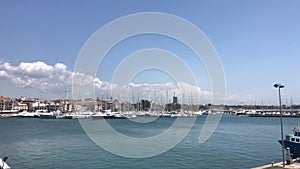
(63, 105)
(5, 103)
(27, 101)
(53, 106)
(175, 100)
(37, 106)
(20, 106)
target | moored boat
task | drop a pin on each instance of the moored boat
(26, 114)
(292, 141)
(46, 115)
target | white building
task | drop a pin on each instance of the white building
(20, 107)
(37, 106)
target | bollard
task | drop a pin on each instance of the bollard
(289, 160)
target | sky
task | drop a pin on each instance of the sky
(257, 42)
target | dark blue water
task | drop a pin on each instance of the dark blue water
(239, 142)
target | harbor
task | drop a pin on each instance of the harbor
(255, 120)
(238, 142)
(108, 114)
(114, 111)
(115, 114)
(112, 108)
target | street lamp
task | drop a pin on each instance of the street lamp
(279, 86)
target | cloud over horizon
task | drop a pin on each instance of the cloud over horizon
(39, 75)
(58, 79)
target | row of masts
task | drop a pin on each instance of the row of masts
(135, 98)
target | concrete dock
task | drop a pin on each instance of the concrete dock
(295, 164)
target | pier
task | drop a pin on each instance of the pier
(269, 113)
(295, 164)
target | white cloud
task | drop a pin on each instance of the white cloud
(58, 79)
(38, 75)
(3, 74)
(240, 99)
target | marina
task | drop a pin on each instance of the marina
(113, 108)
(149, 84)
(99, 115)
(133, 114)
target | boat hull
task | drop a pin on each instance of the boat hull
(48, 116)
(108, 117)
(294, 147)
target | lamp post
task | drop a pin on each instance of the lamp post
(279, 86)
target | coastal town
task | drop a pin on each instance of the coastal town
(114, 108)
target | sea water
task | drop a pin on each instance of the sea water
(238, 142)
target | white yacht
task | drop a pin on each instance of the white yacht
(26, 114)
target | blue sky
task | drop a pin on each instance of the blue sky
(257, 40)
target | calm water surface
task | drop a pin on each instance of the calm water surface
(238, 142)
